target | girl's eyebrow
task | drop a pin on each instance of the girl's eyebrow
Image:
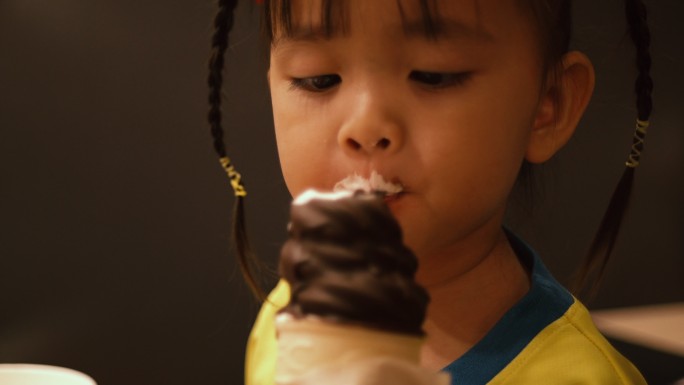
(310, 33)
(447, 29)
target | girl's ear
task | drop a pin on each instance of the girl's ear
(561, 107)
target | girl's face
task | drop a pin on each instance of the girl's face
(448, 117)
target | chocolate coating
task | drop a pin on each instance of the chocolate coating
(345, 261)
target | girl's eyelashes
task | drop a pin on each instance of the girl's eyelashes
(439, 79)
(435, 80)
(320, 83)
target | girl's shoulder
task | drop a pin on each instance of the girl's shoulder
(570, 350)
(548, 337)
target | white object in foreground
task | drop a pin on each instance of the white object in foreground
(34, 374)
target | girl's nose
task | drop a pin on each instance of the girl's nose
(372, 128)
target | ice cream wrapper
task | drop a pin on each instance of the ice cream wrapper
(313, 351)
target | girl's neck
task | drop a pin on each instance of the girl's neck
(467, 304)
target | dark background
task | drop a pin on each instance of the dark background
(115, 215)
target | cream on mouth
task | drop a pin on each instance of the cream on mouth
(374, 183)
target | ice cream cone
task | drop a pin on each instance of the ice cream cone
(309, 343)
(355, 313)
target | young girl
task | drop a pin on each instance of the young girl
(452, 101)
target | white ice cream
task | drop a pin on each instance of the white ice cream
(312, 194)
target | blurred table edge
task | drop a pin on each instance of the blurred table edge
(658, 327)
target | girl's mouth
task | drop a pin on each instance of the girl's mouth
(389, 198)
(375, 183)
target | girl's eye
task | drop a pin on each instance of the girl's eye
(438, 79)
(316, 83)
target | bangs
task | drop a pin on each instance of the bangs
(329, 18)
(333, 19)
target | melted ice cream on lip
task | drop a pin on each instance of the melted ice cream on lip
(374, 183)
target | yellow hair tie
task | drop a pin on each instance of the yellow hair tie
(638, 144)
(235, 178)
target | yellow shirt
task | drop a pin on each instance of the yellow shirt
(260, 360)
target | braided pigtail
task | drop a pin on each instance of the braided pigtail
(595, 262)
(223, 23)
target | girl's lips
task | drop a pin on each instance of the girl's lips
(390, 198)
(375, 183)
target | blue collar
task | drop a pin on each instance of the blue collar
(546, 301)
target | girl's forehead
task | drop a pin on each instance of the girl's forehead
(313, 19)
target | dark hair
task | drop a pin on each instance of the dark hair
(600, 250)
(223, 23)
(553, 18)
